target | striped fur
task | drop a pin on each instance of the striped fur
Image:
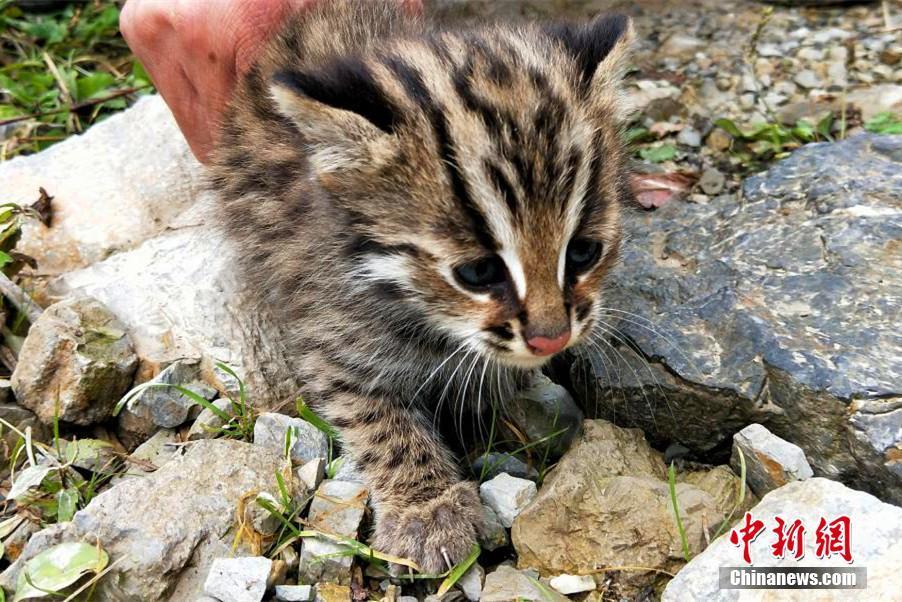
(364, 159)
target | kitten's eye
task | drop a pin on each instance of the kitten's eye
(582, 254)
(482, 273)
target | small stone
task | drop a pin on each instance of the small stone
(490, 465)
(263, 521)
(21, 418)
(75, 364)
(294, 593)
(240, 579)
(338, 508)
(769, 50)
(718, 140)
(208, 424)
(290, 556)
(543, 409)
(507, 496)
(408, 599)
(837, 74)
(712, 182)
(156, 451)
(331, 592)
(690, 137)
(166, 406)
(771, 462)
(808, 79)
(810, 54)
(572, 584)
(347, 470)
(680, 45)
(311, 474)
(493, 535)
(507, 583)
(471, 583)
(307, 441)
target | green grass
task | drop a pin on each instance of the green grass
(684, 541)
(62, 71)
(884, 123)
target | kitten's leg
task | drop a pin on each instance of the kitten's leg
(424, 511)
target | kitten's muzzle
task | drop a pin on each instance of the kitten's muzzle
(544, 346)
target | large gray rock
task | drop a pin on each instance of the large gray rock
(876, 544)
(780, 308)
(507, 496)
(337, 508)
(169, 525)
(130, 225)
(75, 363)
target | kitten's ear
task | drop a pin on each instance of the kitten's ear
(600, 47)
(339, 110)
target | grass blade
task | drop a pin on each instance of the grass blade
(676, 512)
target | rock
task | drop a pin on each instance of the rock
(690, 137)
(712, 181)
(22, 419)
(494, 534)
(808, 79)
(507, 496)
(718, 140)
(165, 406)
(156, 451)
(76, 362)
(311, 474)
(611, 484)
(208, 425)
(347, 470)
(337, 508)
(238, 579)
(471, 583)
(874, 100)
(777, 309)
(770, 461)
(723, 485)
(262, 520)
(108, 193)
(167, 526)
(295, 593)
(331, 592)
(680, 46)
(545, 408)
(507, 583)
(14, 542)
(490, 465)
(876, 532)
(189, 311)
(572, 584)
(307, 442)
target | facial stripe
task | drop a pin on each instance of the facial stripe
(419, 93)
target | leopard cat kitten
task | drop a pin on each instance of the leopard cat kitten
(430, 214)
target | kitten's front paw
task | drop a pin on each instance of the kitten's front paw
(435, 532)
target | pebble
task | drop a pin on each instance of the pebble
(496, 463)
(718, 140)
(493, 535)
(295, 593)
(807, 79)
(507, 496)
(572, 584)
(507, 583)
(311, 474)
(208, 424)
(165, 406)
(330, 592)
(471, 583)
(262, 519)
(712, 181)
(690, 137)
(240, 579)
(771, 462)
(307, 441)
(338, 508)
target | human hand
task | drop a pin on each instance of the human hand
(196, 50)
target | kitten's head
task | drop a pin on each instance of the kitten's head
(481, 173)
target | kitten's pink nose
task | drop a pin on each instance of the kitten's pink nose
(546, 346)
